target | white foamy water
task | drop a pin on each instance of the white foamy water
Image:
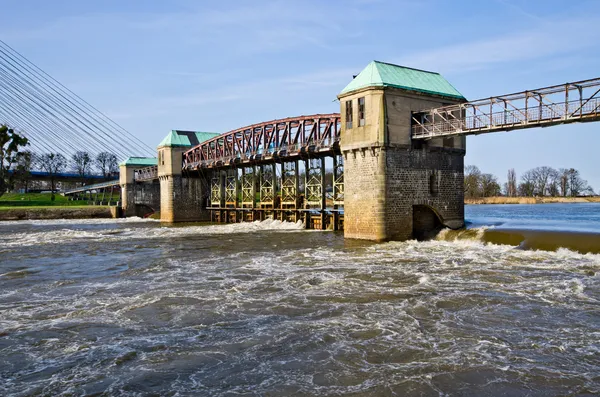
(271, 309)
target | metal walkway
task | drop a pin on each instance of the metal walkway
(95, 186)
(560, 104)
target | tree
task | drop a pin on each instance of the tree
(554, 183)
(10, 145)
(489, 185)
(106, 163)
(527, 186)
(81, 163)
(472, 181)
(22, 169)
(511, 185)
(53, 164)
(541, 178)
(577, 185)
(563, 181)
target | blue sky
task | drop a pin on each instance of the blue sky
(214, 66)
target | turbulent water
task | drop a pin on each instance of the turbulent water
(134, 308)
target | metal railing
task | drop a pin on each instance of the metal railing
(95, 186)
(146, 174)
(562, 104)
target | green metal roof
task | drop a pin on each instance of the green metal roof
(186, 138)
(381, 74)
(145, 161)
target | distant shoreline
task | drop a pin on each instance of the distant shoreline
(531, 200)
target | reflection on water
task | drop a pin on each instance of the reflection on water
(126, 308)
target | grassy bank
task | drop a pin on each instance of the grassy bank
(17, 200)
(532, 200)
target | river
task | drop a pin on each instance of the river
(133, 308)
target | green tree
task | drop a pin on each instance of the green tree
(22, 169)
(10, 145)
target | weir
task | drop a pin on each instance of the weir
(381, 169)
(288, 169)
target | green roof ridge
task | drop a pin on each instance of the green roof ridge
(383, 74)
(145, 161)
(178, 138)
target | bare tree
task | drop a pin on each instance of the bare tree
(527, 186)
(489, 185)
(511, 185)
(53, 164)
(81, 163)
(542, 176)
(554, 183)
(577, 185)
(564, 181)
(22, 169)
(106, 163)
(472, 181)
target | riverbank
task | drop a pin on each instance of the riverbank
(531, 200)
(72, 212)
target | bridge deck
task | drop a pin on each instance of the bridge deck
(92, 187)
(560, 104)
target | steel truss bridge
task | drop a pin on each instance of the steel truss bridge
(277, 168)
(559, 104)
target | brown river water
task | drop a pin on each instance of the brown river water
(133, 308)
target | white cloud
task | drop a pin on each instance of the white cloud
(547, 41)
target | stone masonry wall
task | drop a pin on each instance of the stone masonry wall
(183, 199)
(431, 177)
(364, 194)
(382, 186)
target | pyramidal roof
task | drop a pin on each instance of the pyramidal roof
(381, 74)
(186, 138)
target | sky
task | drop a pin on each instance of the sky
(154, 66)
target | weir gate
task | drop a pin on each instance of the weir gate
(389, 166)
(290, 169)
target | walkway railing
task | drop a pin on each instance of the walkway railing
(95, 186)
(561, 104)
(146, 174)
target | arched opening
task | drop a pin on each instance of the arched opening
(426, 222)
(143, 210)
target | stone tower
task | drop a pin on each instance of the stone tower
(130, 190)
(397, 188)
(182, 197)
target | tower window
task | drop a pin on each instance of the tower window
(349, 114)
(361, 111)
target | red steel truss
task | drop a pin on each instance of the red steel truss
(559, 104)
(283, 138)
